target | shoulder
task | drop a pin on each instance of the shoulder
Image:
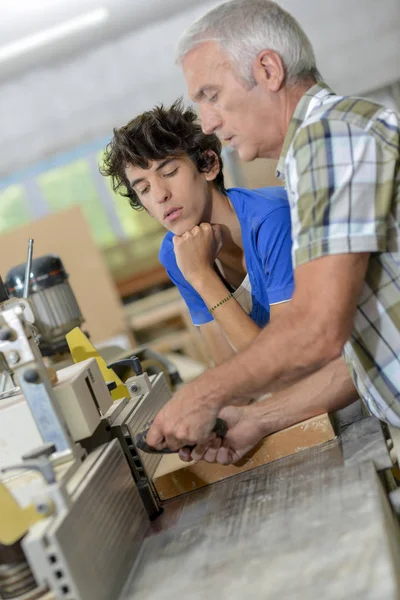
(255, 205)
(349, 118)
(360, 112)
(264, 216)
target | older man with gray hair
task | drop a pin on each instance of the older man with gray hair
(252, 71)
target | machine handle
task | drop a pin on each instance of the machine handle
(132, 363)
(42, 465)
(220, 428)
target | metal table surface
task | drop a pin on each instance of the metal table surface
(314, 525)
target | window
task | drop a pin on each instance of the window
(14, 208)
(73, 184)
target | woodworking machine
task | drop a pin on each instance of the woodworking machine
(76, 494)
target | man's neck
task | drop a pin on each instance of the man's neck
(292, 96)
(295, 93)
(301, 99)
(224, 214)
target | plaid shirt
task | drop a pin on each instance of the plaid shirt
(341, 164)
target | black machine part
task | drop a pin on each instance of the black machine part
(220, 428)
(47, 271)
(16, 577)
(153, 362)
(53, 302)
(3, 291)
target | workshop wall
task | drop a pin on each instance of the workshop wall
(67, 235)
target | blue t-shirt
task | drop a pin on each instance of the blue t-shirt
(264, 218)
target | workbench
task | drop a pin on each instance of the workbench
(318, 524)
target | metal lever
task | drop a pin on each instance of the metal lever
(119, 366)
(42, 465)
(28, 268)
(220, 428)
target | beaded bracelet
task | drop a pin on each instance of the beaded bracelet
(222, 302)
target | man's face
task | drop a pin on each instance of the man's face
(246, 118)
(173, 191)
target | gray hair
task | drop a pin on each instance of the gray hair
(243, 28)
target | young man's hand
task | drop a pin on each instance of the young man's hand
(196, 251)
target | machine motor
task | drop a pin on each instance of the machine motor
(53, 302)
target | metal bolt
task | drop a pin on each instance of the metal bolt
(43, 508)
(5, 335)
(134, 388)
(31, 376)
(13, 357)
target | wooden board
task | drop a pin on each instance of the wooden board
(174, 477)
(67, 234)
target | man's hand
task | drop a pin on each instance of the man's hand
(184, 421)
(246, 429)
(196, 251)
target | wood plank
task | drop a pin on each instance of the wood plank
(174, 477)
(137, 308)
(151, 317)
(139, 282)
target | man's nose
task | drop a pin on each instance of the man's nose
(210, 121)
(161, 193)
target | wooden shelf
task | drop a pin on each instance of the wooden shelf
(165, 311)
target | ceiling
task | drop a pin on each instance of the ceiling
(332, 26)
(25, 18)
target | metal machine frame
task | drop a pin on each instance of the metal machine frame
(94, 494)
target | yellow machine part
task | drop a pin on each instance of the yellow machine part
(82, 349)
(14, 520)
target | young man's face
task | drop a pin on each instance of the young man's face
(246, 118)
(173, 191)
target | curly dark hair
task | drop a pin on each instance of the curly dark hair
(155, 135)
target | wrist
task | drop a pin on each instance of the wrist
(210, 393)
(263, 417)
(203, 280)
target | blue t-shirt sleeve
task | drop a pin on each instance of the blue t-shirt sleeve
(274, 244)
(197, 308)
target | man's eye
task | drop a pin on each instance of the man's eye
(171, 173)
(144, 190)
(213, 98)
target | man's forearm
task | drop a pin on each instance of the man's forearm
(329, 389)
(290, 348)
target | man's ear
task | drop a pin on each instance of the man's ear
(212, 165)
(269, 70)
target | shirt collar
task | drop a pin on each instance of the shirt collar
(305, 106)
